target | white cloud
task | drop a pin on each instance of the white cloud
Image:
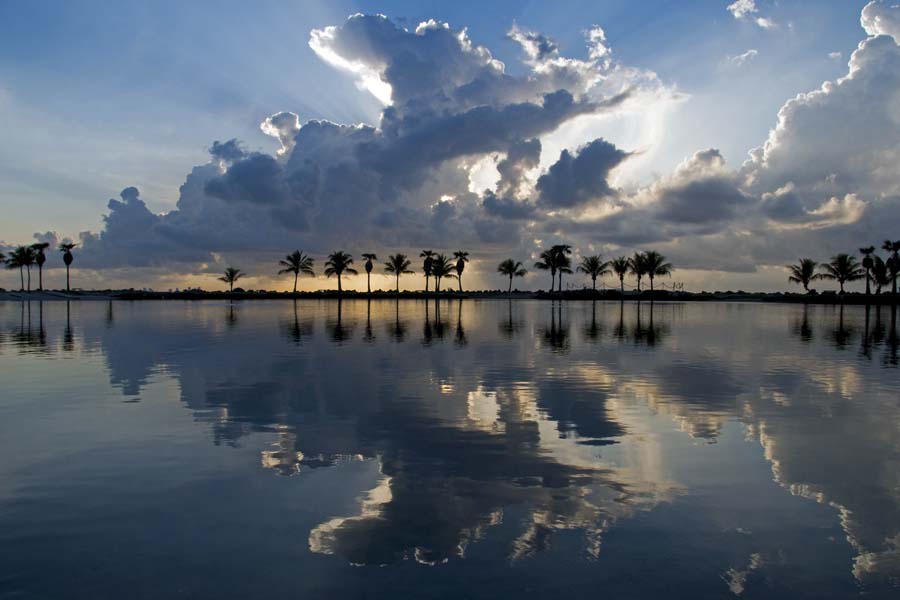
(878, 18)
(743, 58)
(746, 10)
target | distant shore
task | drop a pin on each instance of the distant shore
(583, 294)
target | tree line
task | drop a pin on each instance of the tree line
(25, 257)
(845, 268)
(439, 266)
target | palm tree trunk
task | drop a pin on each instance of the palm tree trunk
(296, 275)
(651, 283)
(28, 268)
(368, 283)
(509, 290)
(867, 282)
(842, 286)
(339, 284)
(398, 283)
(21, 279)
(426, 283)
(40, 278)
(67, 278)
(622, 284)
(594, 283)
(459, 280)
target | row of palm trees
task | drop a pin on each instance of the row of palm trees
(845, 268)
(650, 264)
(339, 263)
(440, 266)
(25, 257)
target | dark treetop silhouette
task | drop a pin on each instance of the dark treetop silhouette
(337, 264)
(297, 263)
(397, 265)
(511, 268)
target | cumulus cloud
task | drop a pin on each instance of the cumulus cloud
(581, 177)
(825, 177)
(878, 18)
(746, 10)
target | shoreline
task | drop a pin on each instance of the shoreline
(830, 298)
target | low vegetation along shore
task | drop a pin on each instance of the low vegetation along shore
(880, 276)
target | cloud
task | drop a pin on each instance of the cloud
(878, 18)
(825, 177)
(581, 177)
(746, 10)
(743, 58)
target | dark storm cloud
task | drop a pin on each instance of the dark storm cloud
(578, 178)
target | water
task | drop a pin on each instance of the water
(481, 449)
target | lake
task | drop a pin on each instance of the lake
(453, 449)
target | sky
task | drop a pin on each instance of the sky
(172, 139)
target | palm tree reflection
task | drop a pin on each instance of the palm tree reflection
(340, 333)
(368, 335)
(460, 332)
(397, 329)
(593, 331)
(509, 327)
(556, 336)
(801, 327)
(298, 330)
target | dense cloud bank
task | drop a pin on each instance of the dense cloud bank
(825, 180)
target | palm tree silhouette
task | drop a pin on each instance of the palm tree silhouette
(563, 263)
(231, 276)
(867, 263)
(637, 264)
(547, 262)
(879, 274)
(66, 248)
(16, 260)
(511, 268)
(398, 264)
(620, 267)
(441, 266)
(339, 263)
(426, 264)
(656, 264)
(297, 263)
(368, 266)
(461, 259)
(803, 272)
(28, 259)
(40, 258)
(842, 268)
(595, 267)
(893, 262)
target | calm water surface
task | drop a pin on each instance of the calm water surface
(474, 449)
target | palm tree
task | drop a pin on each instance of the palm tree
(368, 266)
(339, 263)
(547, 262)
(16, 260)
(638, 267)
(867, 263)
(428, 255)
(441, 266)
(879, 275)
(66, 248)
(398, 265)
(28, 258)
(461, 259)
(803, 272)
(594, 266)
(893, 262)
(656, 264)
(620, 267)
(231, 276)
(40, 258)
(511, 268)
(842, 268)
(563, 264)
(297, 263)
